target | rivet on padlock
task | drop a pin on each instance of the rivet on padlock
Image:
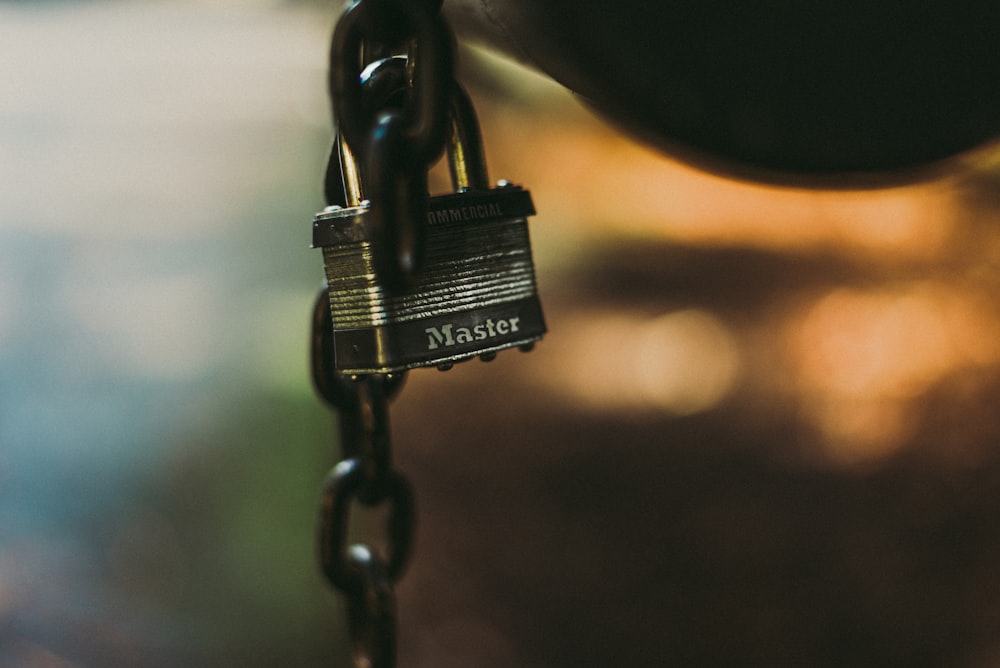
(477, 293)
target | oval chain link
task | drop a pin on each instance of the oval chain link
(395, 146)
(430, 61)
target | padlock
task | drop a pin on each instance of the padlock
(476, 294)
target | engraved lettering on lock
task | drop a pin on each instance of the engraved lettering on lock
(463, 213)
(451, 335)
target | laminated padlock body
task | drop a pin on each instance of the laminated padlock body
(476, 294)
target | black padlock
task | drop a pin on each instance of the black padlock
(476, 294)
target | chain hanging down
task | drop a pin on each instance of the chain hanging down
(394, 143)
(365, 574)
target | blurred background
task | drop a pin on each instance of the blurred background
(762, 429)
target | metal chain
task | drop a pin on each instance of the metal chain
(393, 121)
(364, 573)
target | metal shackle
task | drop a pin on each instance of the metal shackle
(466, 156)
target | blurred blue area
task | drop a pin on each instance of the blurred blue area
(160, 447)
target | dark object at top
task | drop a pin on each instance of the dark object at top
(777, 89)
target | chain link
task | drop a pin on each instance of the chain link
(396, 144)
(346, 483)
(361, 32)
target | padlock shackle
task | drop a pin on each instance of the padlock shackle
(353, 194)
(466, 156)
